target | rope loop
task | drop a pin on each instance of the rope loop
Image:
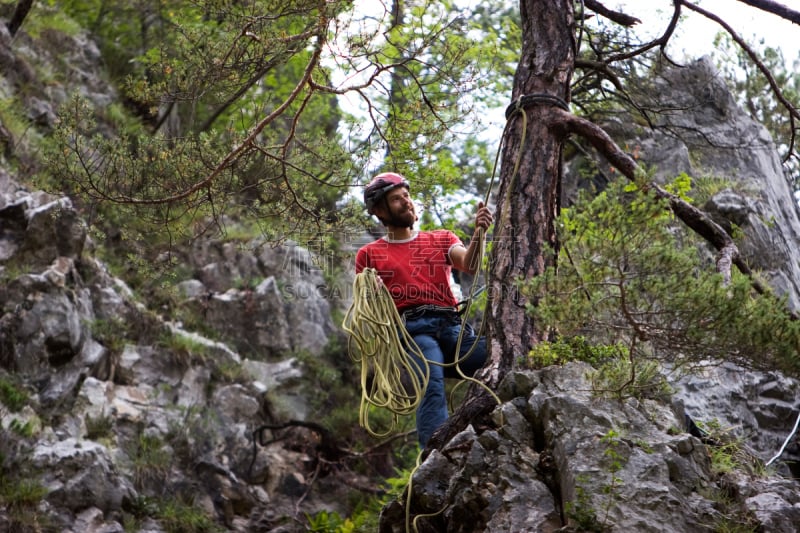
(535, 99)
(394, 371)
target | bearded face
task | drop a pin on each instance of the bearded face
(398, 210)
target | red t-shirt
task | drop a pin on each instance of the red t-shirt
(416, 271)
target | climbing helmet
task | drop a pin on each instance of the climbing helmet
(379, 186)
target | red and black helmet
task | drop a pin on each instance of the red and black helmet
(380, 185)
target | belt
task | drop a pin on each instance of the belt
(417, 311)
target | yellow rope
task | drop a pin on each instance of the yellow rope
(380, 343)
(482, 243)
(387, 353)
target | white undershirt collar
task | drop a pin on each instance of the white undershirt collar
(414, 235)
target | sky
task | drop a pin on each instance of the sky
(697, 32)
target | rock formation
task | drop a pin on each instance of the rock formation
(110, 407)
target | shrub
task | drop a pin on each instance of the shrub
(629, 276)
(11, 395)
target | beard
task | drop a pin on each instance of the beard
(405, 219)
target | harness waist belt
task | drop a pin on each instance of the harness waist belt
(426, 309)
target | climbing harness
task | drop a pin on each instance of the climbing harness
(421, 310)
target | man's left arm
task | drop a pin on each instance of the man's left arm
(468, 259)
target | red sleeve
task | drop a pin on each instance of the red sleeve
(449, 240)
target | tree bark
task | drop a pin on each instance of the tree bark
(524, 233)
(23, 7)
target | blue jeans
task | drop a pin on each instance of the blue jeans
(436, 334)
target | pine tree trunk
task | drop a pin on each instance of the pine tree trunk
(22, 10)
(528, 202)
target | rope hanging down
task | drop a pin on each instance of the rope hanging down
(786, 442)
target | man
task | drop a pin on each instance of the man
(416, 268)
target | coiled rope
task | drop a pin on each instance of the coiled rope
(379, 342)
(394, 370)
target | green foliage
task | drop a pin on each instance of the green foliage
(20, 498)
(46, 16)
(432, 61)
(229, 372)
(140, 507)
(184, 349)
(615, 459)
(150, 460)
(23, 429)
(12, 118)
(728, 451)
(732, 516)
(365, 519)
(581, 511)
(450, 65)
(704, 187)
(221, 122)
(99, 427)
(174, 514)
(177, 516)
(632, 278)
(628, 377)
(111, 333)
(565, 349)
(328, 522)
(23, 493)
(334, 393)
(734, 524)
(11, 395)
(582, 508)
(191, 61)
(133, 170)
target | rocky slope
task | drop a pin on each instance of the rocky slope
(117, 416)
(114, 405)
